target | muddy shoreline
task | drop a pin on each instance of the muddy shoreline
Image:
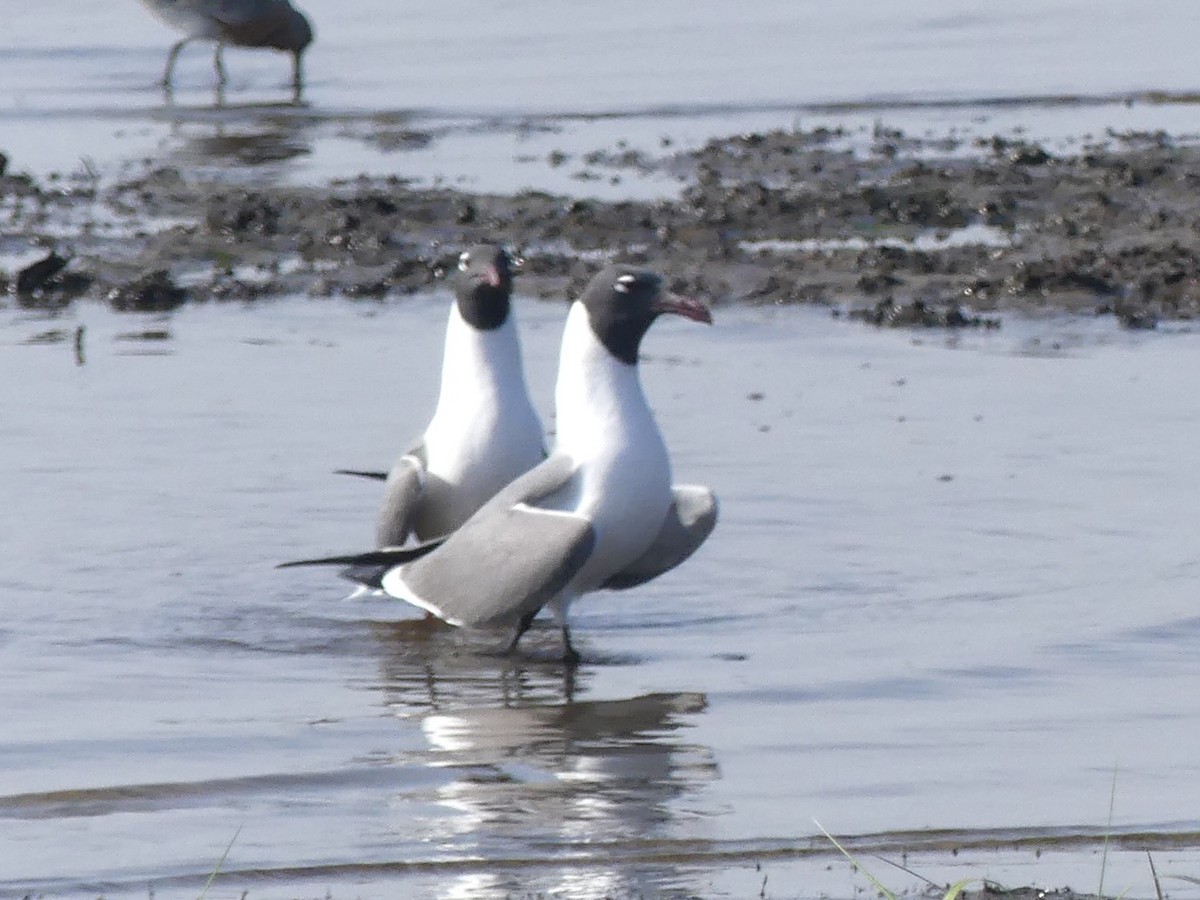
(903, 230)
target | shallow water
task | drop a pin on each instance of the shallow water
(534, 55)
(952, 589)
(499, 92)
(950, 595)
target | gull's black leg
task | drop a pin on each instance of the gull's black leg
(570, 655)
(171, 57)
(522, 627)
(219, 64)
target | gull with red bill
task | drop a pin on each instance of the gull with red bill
(484, 431)
(600, 512)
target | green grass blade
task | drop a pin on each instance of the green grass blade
(879, 886)
(1112, 802)
(220, 862)
(953, 892)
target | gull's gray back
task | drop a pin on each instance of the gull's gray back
(509, 559)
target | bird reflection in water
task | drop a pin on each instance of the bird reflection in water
(248, 148)
(539, 773)
(254, 137)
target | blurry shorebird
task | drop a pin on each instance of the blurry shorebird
(484, 431)
(244, 23)
(600, 512)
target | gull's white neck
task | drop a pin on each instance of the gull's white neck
(600, 408)
(623, 483)
(481, 370)
(484, 432)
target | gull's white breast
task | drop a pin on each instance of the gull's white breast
(484, 432)
(623, 481)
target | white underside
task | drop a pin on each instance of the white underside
(484, 432)
(394, 585)
(623, 482)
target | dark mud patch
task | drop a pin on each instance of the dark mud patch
(153, 292)
(901, 232)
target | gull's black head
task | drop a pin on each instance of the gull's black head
(483, 286)
(622, 303)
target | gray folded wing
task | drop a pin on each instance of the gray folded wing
(690, 520)
(401, 496)
(244, 13)
(507, 561)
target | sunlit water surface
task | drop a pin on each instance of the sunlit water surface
(950, 603)
(501, 88)
(953, 588)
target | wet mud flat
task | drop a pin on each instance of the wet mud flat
(894, 229)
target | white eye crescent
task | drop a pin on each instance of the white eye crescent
(463, 260)
(624, 282)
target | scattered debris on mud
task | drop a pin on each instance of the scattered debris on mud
(912, 232)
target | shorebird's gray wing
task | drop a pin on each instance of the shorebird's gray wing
(691, 519)
(242, 13)
(507, 560)
(401, 495)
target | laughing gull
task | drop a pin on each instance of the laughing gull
(484, 431)
(600, 512)
(244, 23)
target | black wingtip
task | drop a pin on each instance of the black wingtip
(360, 473)
(388, 557)
(323, 561)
